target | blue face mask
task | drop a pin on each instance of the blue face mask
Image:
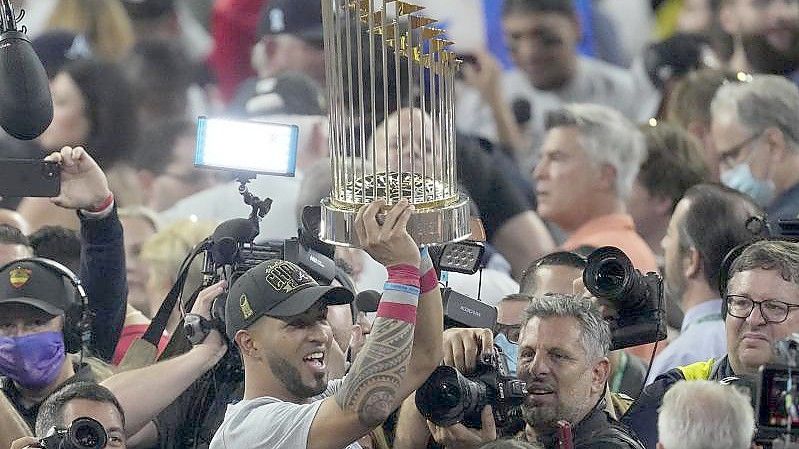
(33, 361)
(510, 350)
(741, 179)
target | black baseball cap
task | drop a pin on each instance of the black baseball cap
(276, 288)
(27, 282)
(300, 18)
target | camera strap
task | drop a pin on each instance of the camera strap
(618, 373)
(159, 321)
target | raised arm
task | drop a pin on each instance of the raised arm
(84, 188)
(427, 341)
(376, 385)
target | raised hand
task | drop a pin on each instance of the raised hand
(83, 183)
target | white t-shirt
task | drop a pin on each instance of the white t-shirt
(269, 423)
(595, 81)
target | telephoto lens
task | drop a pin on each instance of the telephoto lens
(447, 398)
(83, 433)
(609, 274)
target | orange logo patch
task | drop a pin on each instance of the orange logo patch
(19, 277)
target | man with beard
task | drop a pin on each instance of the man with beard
(695, 244)
(563, 358)
(765, 35)
(276, 314)
(761, 296)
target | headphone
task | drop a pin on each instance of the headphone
(759, 227)
(77, 318)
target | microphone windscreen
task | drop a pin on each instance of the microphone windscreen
(227, 237)
(522, 110)
(367, 301)
(26, 105)
(241, 230)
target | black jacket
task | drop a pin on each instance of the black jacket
(642, 417)
(102, 271)
(598, 431)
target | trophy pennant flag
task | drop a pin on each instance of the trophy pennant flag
(391, 81)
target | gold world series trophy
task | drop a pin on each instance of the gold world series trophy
(382, 148)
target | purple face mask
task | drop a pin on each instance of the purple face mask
(33, 361)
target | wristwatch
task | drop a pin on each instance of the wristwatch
(196, 328)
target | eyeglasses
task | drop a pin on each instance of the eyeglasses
(730, 157)
(511, 331)
(772, 310)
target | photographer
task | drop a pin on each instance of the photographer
(760, 302)
(563, 352)
(75, 401)
(552, 273)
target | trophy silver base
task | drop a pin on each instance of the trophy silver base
(426, 226)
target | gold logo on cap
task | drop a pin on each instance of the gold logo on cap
(19, 276)
(244, 305)
(286, 277)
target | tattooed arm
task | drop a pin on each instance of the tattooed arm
(376, 385)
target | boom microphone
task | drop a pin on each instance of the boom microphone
(26, 105)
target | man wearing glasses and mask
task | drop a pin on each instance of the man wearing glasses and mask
(761, 298)
(755, 131)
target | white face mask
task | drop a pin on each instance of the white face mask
(741, 179)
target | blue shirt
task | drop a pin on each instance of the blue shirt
(702, 336)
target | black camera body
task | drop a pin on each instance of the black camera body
(777, 393)
(82, 433)
(448, 397)
(238, 257)
(638, 298)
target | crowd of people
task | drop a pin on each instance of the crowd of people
(677, 144)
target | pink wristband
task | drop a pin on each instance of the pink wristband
(400, 294)
(429, 279)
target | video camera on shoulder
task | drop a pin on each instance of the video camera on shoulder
(248, 148)
(82, 433)
(637, 298)
(448, 397)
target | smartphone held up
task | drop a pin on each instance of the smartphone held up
(29, 177)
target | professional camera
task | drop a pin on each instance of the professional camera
(777, 397)
(83, 433)
(448, 397)
(638, 299)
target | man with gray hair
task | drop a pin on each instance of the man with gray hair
(755, 131)
(589, 161)
(563, 358)
(697, 414)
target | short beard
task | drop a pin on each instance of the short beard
(545, 419)
(764, 58)
(542, 419)
(290, 377)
